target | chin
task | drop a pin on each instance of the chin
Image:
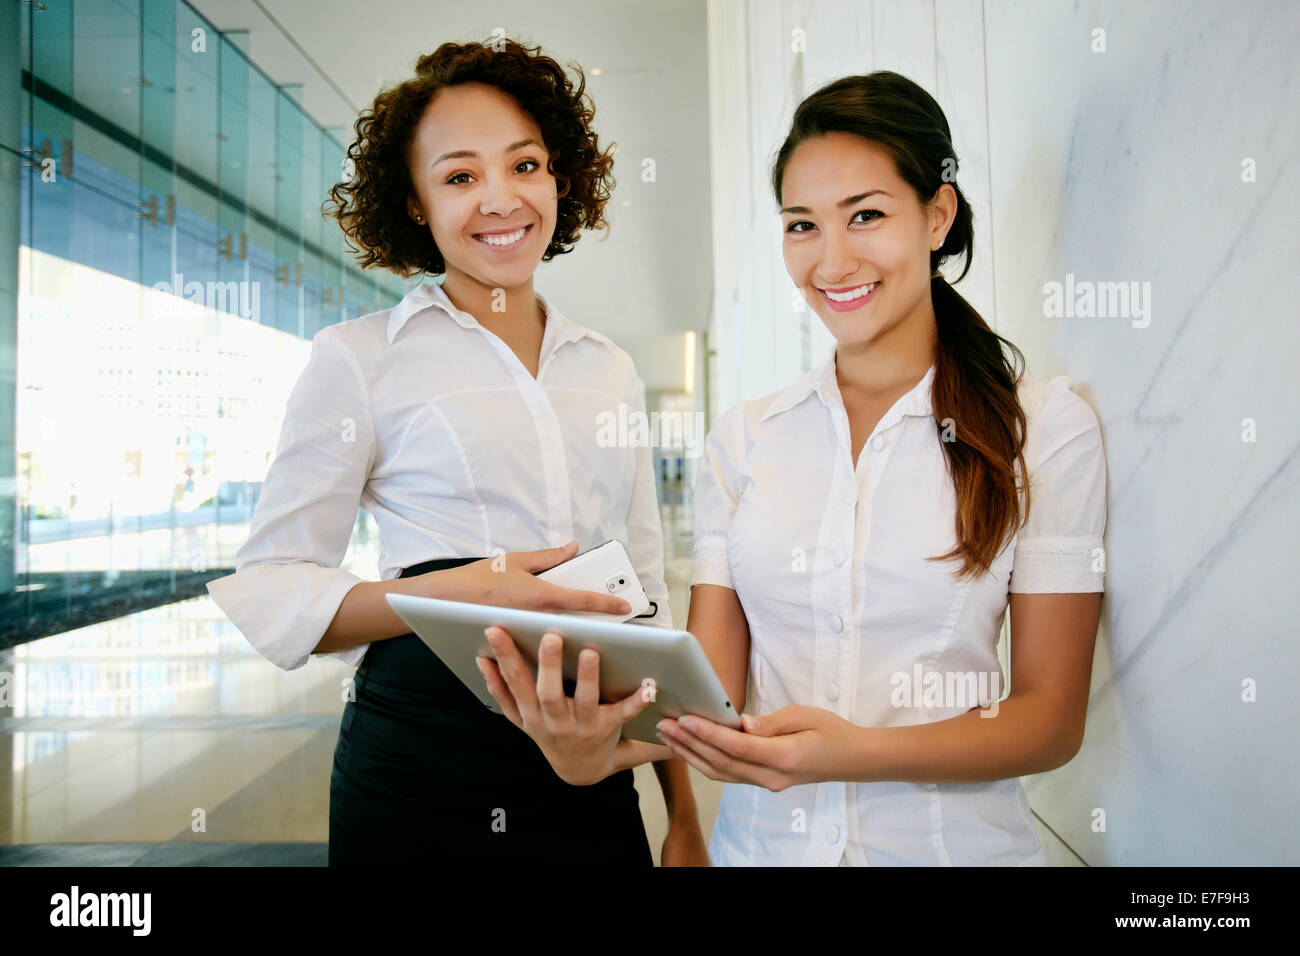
(849, 331)
(499, 279)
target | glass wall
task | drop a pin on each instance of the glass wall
(164, 264)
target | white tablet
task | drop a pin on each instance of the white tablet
(629, 653)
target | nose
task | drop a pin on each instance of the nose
(836, 261)
(498, 196)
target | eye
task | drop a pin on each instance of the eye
(872, 214)
(452, 179)
(527, 161)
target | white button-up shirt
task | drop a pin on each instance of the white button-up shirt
(845, 613)
(428, 421)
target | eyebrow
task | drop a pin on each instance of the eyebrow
(843, 202)
(460, 153)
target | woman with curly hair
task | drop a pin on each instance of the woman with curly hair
(463, 419)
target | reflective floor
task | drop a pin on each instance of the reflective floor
(166, 727)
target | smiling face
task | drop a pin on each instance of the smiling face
(478, 169)
(857, 241)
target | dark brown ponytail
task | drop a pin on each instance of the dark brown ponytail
(976, 408)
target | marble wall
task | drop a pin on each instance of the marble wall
(1099, 142)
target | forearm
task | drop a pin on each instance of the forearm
(365, 616)
(1028, 735)
(675, 781)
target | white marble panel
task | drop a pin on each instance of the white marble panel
(1126, 166)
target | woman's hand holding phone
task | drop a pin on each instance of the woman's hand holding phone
(509, 580)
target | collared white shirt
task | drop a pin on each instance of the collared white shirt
(845, 614)
(428, 421)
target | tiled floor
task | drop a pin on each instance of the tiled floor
(165, 729)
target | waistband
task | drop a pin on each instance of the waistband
(436, 564)
(405, 660)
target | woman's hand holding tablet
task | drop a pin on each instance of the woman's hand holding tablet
(788, 747)
(580, 737)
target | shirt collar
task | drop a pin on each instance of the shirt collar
(821, 381)
(430, 295)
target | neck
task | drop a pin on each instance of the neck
(900, 358)
(514, 307)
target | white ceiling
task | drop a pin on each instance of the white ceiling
(652, 276)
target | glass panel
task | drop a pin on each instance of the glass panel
(15, 180)
(259, 194)
(172, 265)
(334, 252)
(288, 214)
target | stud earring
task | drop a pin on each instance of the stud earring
(420, 220)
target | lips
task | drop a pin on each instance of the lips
(850, 297)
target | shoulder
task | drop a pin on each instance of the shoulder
(361, 339)
(605, 366)
(1055, 415)
(602, 349)
(735, 431)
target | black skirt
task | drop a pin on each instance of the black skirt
(425, 774)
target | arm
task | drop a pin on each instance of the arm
(679, 798)
(505, 581)
(684, 843)
(365, 616)
(718, 622)
(287, 583)
(1038, 727)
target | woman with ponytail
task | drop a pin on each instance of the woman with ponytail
(861, 533)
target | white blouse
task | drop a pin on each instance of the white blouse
(845, 613)
(428, 421)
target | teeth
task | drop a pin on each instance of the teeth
(506, 239)
(857, 293)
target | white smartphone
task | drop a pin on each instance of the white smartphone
(607, 569)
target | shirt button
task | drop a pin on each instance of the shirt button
(835, 833)
(878, 442)
(837, 624)
(832, 691)
(840, 557)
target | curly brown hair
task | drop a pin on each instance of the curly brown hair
(370, 205)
